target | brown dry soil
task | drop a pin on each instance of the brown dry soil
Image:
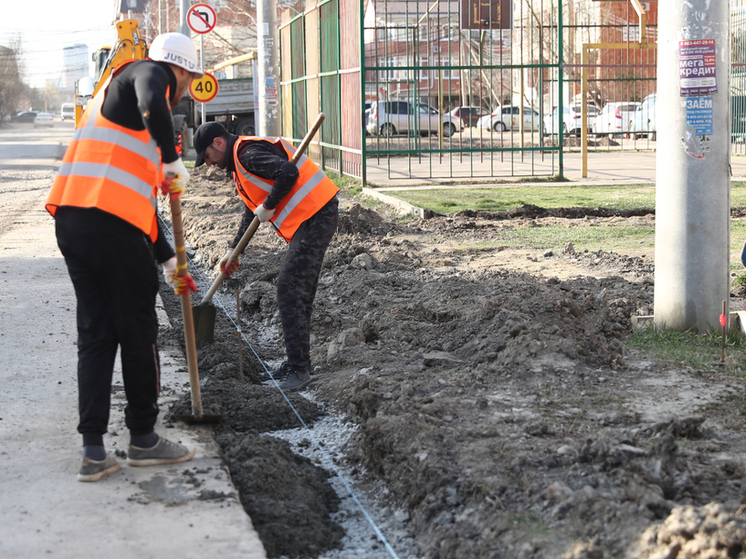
(494, 394)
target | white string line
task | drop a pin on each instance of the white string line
(217, 297)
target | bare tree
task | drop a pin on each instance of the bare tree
(11, 85)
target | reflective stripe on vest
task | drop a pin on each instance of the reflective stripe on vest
(311, 191)
(111, 168)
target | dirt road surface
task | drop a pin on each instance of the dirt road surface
(495, 407)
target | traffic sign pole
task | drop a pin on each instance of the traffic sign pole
(202, 65)
(201, 19)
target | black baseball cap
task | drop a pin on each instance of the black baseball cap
(204, 137)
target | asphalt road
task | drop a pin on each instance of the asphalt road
(185, 510)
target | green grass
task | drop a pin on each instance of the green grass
(693, 351)
(504, 198)
(740, 279)
(511, 196)
(345, 183)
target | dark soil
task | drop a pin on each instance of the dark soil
(501, 409)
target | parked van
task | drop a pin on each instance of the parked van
(388, 118)
(644, 121)
(68, 111)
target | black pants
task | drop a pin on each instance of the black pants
(113, 269)
(299, 278)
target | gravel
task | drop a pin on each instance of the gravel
(360, 513)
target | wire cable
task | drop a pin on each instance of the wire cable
(327, 459)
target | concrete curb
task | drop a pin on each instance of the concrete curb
(404, 208)
(180, 510)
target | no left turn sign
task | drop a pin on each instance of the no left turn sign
(201, 18)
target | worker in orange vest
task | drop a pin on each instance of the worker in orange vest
(104, 203)
(301, 204)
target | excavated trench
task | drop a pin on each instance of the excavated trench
(499, 411)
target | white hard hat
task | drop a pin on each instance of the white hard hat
(177, 49)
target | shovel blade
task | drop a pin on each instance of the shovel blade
(204, 322)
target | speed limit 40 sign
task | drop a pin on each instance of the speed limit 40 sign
(204, 89)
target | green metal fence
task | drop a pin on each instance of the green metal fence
(738, 76)
(461, 89)
(470, 89)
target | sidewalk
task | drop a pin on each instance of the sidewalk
(184, 510)
(612, 167)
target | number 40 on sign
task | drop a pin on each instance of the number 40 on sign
(204, 89)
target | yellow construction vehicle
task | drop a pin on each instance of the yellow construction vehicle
(129, 46)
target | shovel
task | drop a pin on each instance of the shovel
(198, 415)
(204, 313)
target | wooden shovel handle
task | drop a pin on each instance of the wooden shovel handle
(186, 310)
(235, 254)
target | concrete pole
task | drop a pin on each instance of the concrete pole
(692, 112)
(183, 10)
(267, 80)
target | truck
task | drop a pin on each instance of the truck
(233, 106)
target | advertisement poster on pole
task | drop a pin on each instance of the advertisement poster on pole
(697, 75)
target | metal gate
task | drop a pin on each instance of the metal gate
(461, 89)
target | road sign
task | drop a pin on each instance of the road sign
(201, 18)
(204, 89)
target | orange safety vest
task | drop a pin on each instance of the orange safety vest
(109, 167)
(309, 194)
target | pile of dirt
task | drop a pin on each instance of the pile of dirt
(500, 409)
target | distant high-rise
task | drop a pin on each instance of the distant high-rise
(75, 65)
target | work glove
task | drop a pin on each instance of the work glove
(181, 284)
(226, 268)
(176, 178)
(264, 214)
(169, 268)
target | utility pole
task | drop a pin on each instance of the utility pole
(692, 113)
(268, 79)
(183, 10)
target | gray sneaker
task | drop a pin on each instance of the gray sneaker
(94, 470)
(164, 452)
(295, 380)
(278, 374)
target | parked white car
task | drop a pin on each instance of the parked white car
(43, 119)
(616, 118)
(508, 117)
(644, 121)
(389, 118)
(571, 120)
